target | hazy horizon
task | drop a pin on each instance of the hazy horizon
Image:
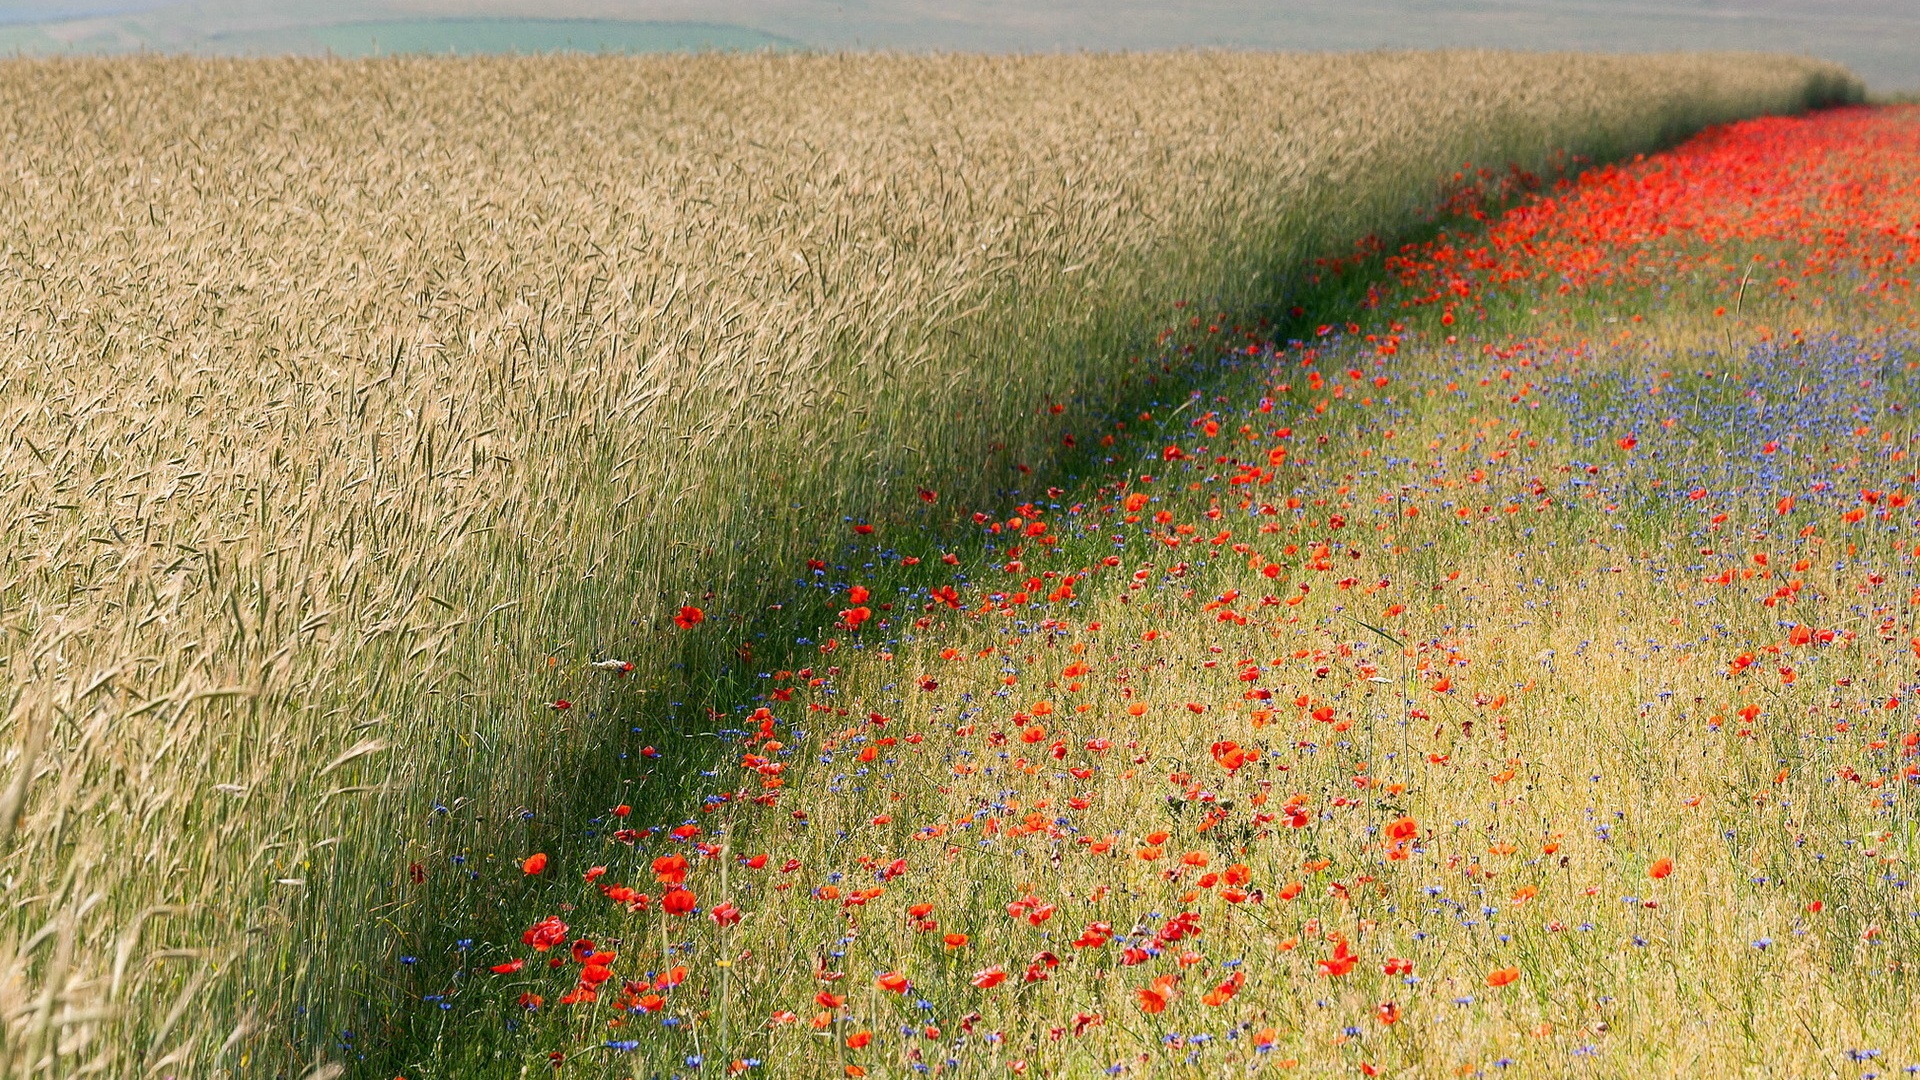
(1879, 39)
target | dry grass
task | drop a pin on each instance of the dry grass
(337, 398)
(1573, 757)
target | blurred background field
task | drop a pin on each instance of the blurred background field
(345, 403)
(1878, 39)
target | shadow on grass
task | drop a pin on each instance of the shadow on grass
(420, 1010)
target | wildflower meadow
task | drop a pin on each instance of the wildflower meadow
(1515, 677)
(836, 566)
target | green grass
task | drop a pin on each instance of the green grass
(1592, 728)
(355, 408)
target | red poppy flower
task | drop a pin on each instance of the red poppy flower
(545, 934)
(1219, 995)
(1154, 998)
(1340, 962)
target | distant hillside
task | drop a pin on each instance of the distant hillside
(1880, 39)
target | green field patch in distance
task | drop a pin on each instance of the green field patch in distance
(474, 36)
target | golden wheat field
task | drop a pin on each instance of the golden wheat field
(344, 403)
